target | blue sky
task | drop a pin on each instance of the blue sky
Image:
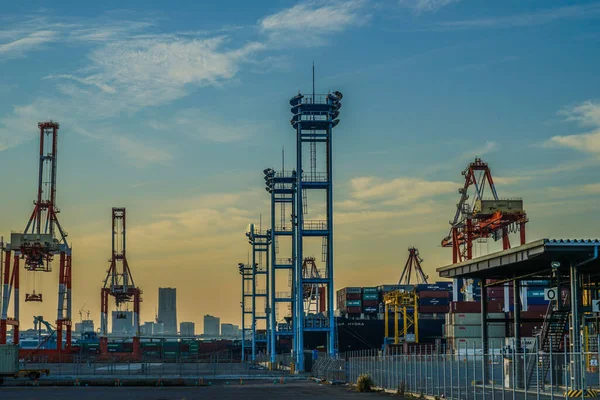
(173, 111)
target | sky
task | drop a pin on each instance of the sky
(173, 109)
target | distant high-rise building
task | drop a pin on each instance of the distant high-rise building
(122, 323)
(187, 329)
(152, 329)
(230, 330)
(167, 309)
(212, 325)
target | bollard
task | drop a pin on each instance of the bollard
(281, 380)
(241, 381)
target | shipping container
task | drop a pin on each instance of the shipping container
(351, 290)
(429, 301)
(370, 290)
(388, 288)
(536, 301)
(353, 310)
(9, 359)
(353, 303)
(370, 310)
(469, 318)
(433, 309)
(370, 296)
(489, 207)
(535, 293)
(495, 330)
(537, 283)
(433, 287)
(370, 303)
(434, 294)
(475, 306)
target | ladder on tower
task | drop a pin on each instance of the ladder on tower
(552, 335)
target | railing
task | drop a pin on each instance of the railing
(283, 295)
(284, 261)
(314, 225)
(314, 177)
(286, 228)
(316, 99)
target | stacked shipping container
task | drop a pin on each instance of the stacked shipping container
(349, 300)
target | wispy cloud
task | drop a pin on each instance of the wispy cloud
(309, 22)
(137, 73)
(198, 124)
(398, 191)
(137, 152)
(29, 42)
(540, 17)
(586, 114)
(423, 6)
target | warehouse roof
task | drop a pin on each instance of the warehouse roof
(534, 259)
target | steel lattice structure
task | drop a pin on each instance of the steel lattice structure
(282, 188)
(314, 118)
(473, 222)
(119, 282)
(42, 239)
(260, 241)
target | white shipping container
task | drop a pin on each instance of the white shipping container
(495, 330)
(9, 359)
(469, 318)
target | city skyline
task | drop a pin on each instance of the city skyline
(175, 113)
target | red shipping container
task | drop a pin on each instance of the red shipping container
(352, 310)
(475, 306)
(353, 296)
(370, 303)
(434, 294)
(433, 309)
(495, 292)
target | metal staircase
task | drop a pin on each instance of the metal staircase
(552, 335)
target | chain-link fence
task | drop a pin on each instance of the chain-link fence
(469, 373)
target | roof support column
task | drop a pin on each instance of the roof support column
(575, 339)
(517, 332)
(484, 327)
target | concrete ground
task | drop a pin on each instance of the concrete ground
(256, 390)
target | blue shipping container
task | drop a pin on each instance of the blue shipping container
(433, 287)
(370, 296)
(434, 301)
(537, 283)
(353, 303)
(370, 310)
(536, 301)
(535, 293)
(370, 290)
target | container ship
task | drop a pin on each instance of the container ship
(448, 313)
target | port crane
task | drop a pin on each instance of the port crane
(484, 218)
(42, 240)
(413, 264)
(119, 283)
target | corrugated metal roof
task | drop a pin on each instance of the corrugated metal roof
(575, 241)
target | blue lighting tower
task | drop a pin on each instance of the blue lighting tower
(314, 117)
(260, 241)
(282, 188)
(247, 285)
